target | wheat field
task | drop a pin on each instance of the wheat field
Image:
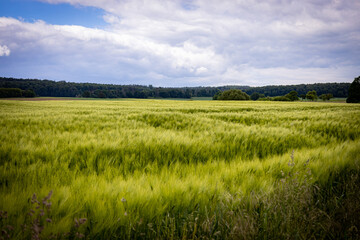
(155, 169)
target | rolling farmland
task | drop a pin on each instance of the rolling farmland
(180, 169)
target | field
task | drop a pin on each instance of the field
(158, 169)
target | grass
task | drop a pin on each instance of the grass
(182, 169)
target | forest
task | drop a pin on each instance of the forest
(51, 88)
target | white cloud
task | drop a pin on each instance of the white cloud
(4, 51)
(199, 42)
(81, 42)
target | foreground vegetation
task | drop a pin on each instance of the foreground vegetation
(179, 169)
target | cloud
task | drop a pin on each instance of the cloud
(4, 51)
(199, 42)
(79, 45)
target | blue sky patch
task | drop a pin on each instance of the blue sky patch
(58, 14)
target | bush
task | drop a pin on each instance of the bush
(281, 98)
(326, 97)
(233, 94)
(265, 99)
(293, 96)
(311, 95)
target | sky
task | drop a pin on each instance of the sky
(177, 43)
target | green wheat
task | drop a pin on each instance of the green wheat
(165, 169)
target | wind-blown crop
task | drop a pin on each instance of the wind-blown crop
(174, 169)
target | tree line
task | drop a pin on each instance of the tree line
(50, 88)
(16, 92)
(235, 94)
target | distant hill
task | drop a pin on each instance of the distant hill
(48, 88)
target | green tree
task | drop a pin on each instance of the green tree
(311, 95)
(216, 96)
(28, 93)
(233, 94)
(254, 96)
(86, 94)
(326, 97)
(354, 91)
(293, 96)
(10, 92)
